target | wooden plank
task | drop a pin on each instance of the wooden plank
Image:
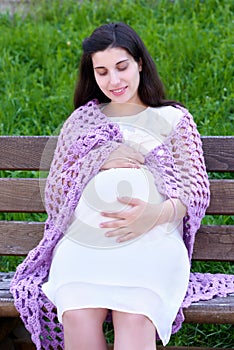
(217, 310)
(18, 238)
(22, 195)
(212, 242)
(218, 152)
(5, 278)
(25, 152)
(7, 309)
(25, 195)
(222, 197)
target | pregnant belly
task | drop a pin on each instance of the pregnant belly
(101, 194)
(102, 191)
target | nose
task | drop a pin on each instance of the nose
(114, 78)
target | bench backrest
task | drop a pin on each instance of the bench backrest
(24, 194)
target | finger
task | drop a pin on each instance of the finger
(130, 152)
(126, 237)
(140, 158)
(137, 158)
(130, 158)
(129, 164)
(121, 163)
(122, 231)
(114, 215)
(112, 224)
(136, 155)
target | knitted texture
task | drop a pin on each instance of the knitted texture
(85, 142)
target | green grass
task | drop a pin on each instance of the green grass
(192, 44)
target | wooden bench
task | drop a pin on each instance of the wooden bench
(24, 195)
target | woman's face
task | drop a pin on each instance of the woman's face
(117, 75)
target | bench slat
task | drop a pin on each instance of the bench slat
(212, 242)
(222, 194)
(24, 152)
(7, 309)
(22, 195)
(217, 310)
(218, 153)
(25, 195)
(17, 238)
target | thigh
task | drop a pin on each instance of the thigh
(130, 320)
(133, 331)
(83, 329)
(84, 316)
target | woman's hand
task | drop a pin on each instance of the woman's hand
(141, 217)
(124, 157)
(132, 222)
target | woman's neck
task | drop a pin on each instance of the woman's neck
(114, 109)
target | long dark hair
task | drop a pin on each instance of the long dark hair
(150, 90)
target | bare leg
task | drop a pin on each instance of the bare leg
(83, 329)
(133, 332)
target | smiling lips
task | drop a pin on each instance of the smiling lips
(119, 92)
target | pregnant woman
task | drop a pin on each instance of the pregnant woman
(125, 195)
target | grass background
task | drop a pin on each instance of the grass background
(192, 44)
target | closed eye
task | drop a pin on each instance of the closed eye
(101, 71)
(122, 66)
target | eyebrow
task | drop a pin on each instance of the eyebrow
(127, 59)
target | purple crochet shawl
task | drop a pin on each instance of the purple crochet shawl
(85, 142)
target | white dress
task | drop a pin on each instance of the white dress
(148, 275)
